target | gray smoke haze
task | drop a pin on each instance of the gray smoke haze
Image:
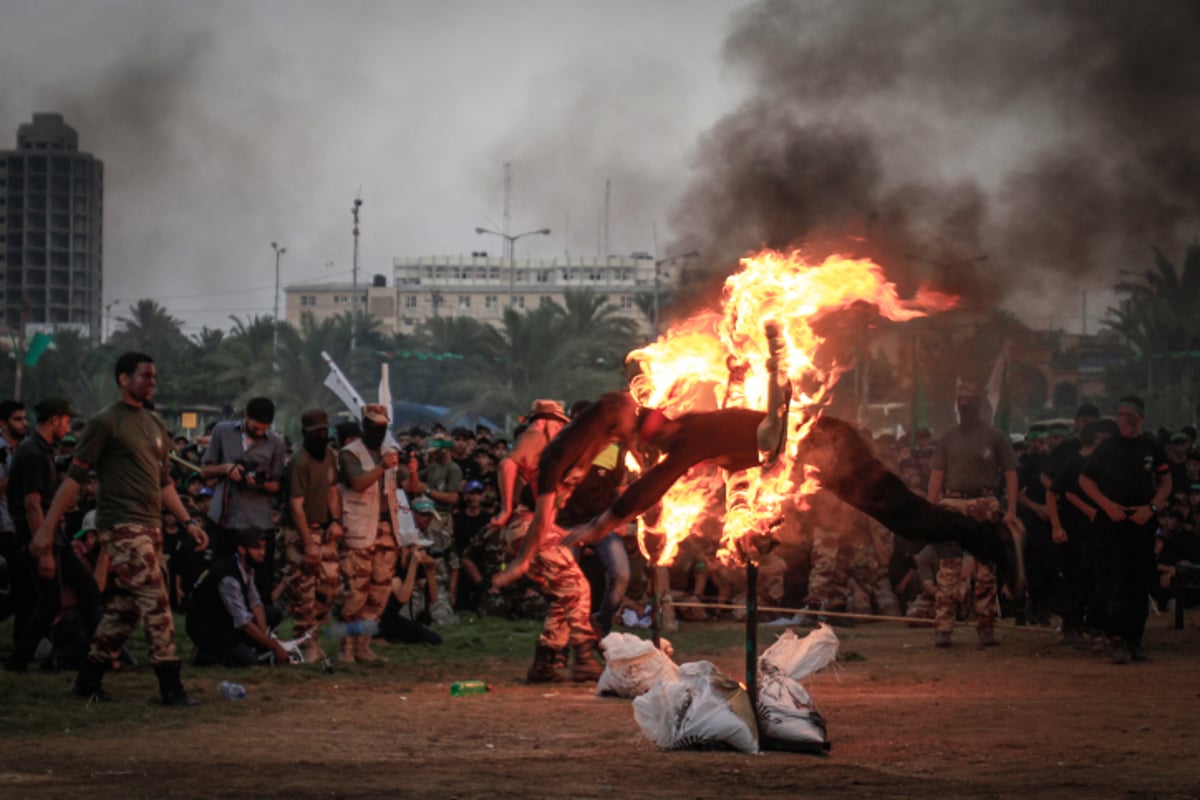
(226, 125)
(1057, 138)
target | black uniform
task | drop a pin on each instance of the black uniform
(1126, 471)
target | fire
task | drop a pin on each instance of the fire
(718, 359)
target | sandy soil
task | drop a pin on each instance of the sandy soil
(1028, 718)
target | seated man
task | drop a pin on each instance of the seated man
(227, 622)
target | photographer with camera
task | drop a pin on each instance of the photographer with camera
(248, 459)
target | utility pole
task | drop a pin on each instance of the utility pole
(279, 251)
(354, 282)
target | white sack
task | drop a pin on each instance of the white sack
(633, 665)
(703, 708)
(785, 710)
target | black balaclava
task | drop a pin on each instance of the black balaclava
(373, 434)
(317, 442)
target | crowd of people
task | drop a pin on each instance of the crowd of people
(377, 532)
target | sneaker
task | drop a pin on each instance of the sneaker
(1138, 653)
(1120, 654)
(941, 639)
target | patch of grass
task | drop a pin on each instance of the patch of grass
(486, 648)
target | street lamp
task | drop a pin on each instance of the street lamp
(107, 315)
(279, 251)
(657, 265)
(511, 240)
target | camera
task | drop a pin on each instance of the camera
(249, 474)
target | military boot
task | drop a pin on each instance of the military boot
(362, 650)
(170, 687)
(587, 664)
(542, 670)
(87, 682)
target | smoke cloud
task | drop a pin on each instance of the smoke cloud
(1055, 138)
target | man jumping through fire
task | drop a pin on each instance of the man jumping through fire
(847, 468)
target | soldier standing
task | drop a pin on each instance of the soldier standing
(1129, 479)
(968, 461)
(370, 517)
(127, 446)
(314, 526)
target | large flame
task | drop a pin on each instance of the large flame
(689, 369)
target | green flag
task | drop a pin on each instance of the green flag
(39, 344)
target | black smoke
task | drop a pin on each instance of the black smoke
(1056, 138)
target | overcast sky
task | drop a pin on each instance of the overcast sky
(227, 125)
(1056, 138)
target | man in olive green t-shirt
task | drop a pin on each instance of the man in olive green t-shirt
(127, 446)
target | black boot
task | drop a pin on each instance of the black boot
(587, 664)
(170, 688)
(87, 682)
(543, 669)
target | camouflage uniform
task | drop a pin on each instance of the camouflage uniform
(441, 533)
(311, 590)
(558, 576)
(384, 554)
(844, 549)
(518, 601)
(949, 576)
(136, 589)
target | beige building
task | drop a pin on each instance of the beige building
(481, 287)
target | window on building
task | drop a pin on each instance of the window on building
(464, 301)
(490, 301)
(626, 301)
(410, 301)
(543, 276)
(545, 300)
(494, 274)
(518, 301)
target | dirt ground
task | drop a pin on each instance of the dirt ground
(1029, 718)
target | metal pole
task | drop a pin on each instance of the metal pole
(279, 251)
(752, 633)
(354, 280)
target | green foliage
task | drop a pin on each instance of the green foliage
(1158, 318)
(568, 352)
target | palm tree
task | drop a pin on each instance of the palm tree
(1159, 318)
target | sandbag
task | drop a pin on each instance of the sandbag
(785, 710)
(633, 665)
(704, 709)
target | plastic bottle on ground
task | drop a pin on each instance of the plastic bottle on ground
(231, 691)
(462, 688)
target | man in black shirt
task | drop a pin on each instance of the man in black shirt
(1129, 479)
(1071, 515)
(31, 486)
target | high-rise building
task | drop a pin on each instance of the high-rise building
(51, 225)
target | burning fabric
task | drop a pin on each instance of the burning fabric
(785, 710)
(633, 665)
(703, 710)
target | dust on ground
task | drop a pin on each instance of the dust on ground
(1030, 718)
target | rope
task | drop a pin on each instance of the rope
(842, 615)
